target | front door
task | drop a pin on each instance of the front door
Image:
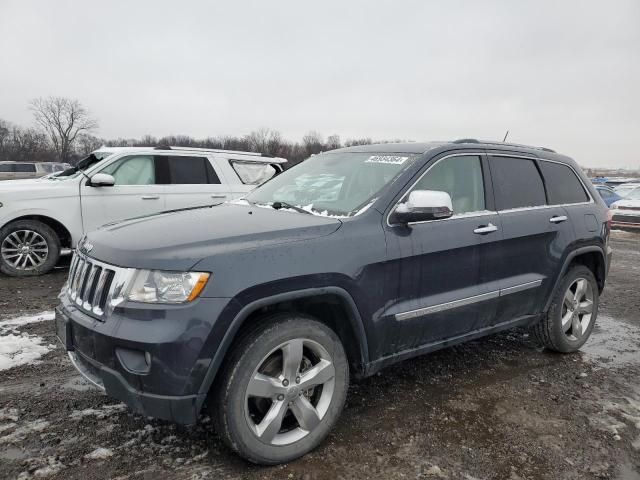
(135, 193)
(435, 267)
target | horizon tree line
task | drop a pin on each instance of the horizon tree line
(64, 131)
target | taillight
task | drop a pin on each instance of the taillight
(609, 218)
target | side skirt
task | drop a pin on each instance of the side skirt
(379, 364)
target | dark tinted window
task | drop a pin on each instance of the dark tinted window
(6, 167)
(562, 184)
(191, 170)
(24, 167)
(517, 183)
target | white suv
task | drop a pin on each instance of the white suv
(44, 218)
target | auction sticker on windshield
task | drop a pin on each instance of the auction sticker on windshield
(386, 159)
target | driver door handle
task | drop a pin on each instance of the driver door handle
(558, 219)
(218, 196)
(484, 229)
(150, 197)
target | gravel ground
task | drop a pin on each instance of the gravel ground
(496, 408)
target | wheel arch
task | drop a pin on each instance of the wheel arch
(333, 306)
(63, 233)
(591, 257)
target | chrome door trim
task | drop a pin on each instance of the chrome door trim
(447, 306)
(463, 302)
(520, 288)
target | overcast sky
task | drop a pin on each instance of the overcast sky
(560, 74)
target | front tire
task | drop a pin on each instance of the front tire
(282, 389)
(572, 315)
(28, 247)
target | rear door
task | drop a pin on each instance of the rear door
(192, 181)
(535, 236)
(135, 193)
(434, 268)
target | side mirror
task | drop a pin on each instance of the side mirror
(423, 205)
(102, 180)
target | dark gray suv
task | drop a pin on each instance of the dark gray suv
(350, 261)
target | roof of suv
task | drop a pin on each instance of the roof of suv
(416, 147)
(251, 156)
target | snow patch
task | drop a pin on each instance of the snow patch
(99, 454)
(21, 350)
(100, 413)
(9, 414)
(21, 432)
(52, 467)
(27, 319)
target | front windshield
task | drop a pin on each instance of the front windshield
(634, 195)
(338, 184)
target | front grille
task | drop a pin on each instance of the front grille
(91, 283)
(621, 207)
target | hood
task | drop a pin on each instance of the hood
(35, 188)
(178, 240)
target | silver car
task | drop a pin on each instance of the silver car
(22, 170)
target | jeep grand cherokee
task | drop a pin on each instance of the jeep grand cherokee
(263, 308)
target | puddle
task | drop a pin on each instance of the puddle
(613, 343)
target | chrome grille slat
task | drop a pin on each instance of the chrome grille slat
(92, 284)
(89, 288)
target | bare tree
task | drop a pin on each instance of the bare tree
(88, 143)
(333, 142)
(312, 142)
(62, 119)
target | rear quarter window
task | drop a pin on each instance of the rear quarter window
(6, 167)
(517, 183)
(563, 186)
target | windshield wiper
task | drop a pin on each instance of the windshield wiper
(279, 205)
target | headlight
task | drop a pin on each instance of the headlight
(614, 206)
(153, 286)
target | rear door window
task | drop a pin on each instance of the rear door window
(6, 167)
(563, 186)
(517, 183)
(191, 171)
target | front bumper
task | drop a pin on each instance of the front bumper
(152, 360)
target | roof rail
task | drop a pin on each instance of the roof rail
(216, 150)
(486, 142)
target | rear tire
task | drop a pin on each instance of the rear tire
(262, 409)
(572, 314)
(27, 248)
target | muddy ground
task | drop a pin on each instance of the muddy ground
(496, 408)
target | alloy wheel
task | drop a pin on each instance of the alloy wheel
(290, 392)
(24, 250)
(577, 309)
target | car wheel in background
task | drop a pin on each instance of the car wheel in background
(282, 389)
(28, 247)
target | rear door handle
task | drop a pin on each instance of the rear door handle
(150, 197)
(558, 219)
(218, 196)
(490, 227)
